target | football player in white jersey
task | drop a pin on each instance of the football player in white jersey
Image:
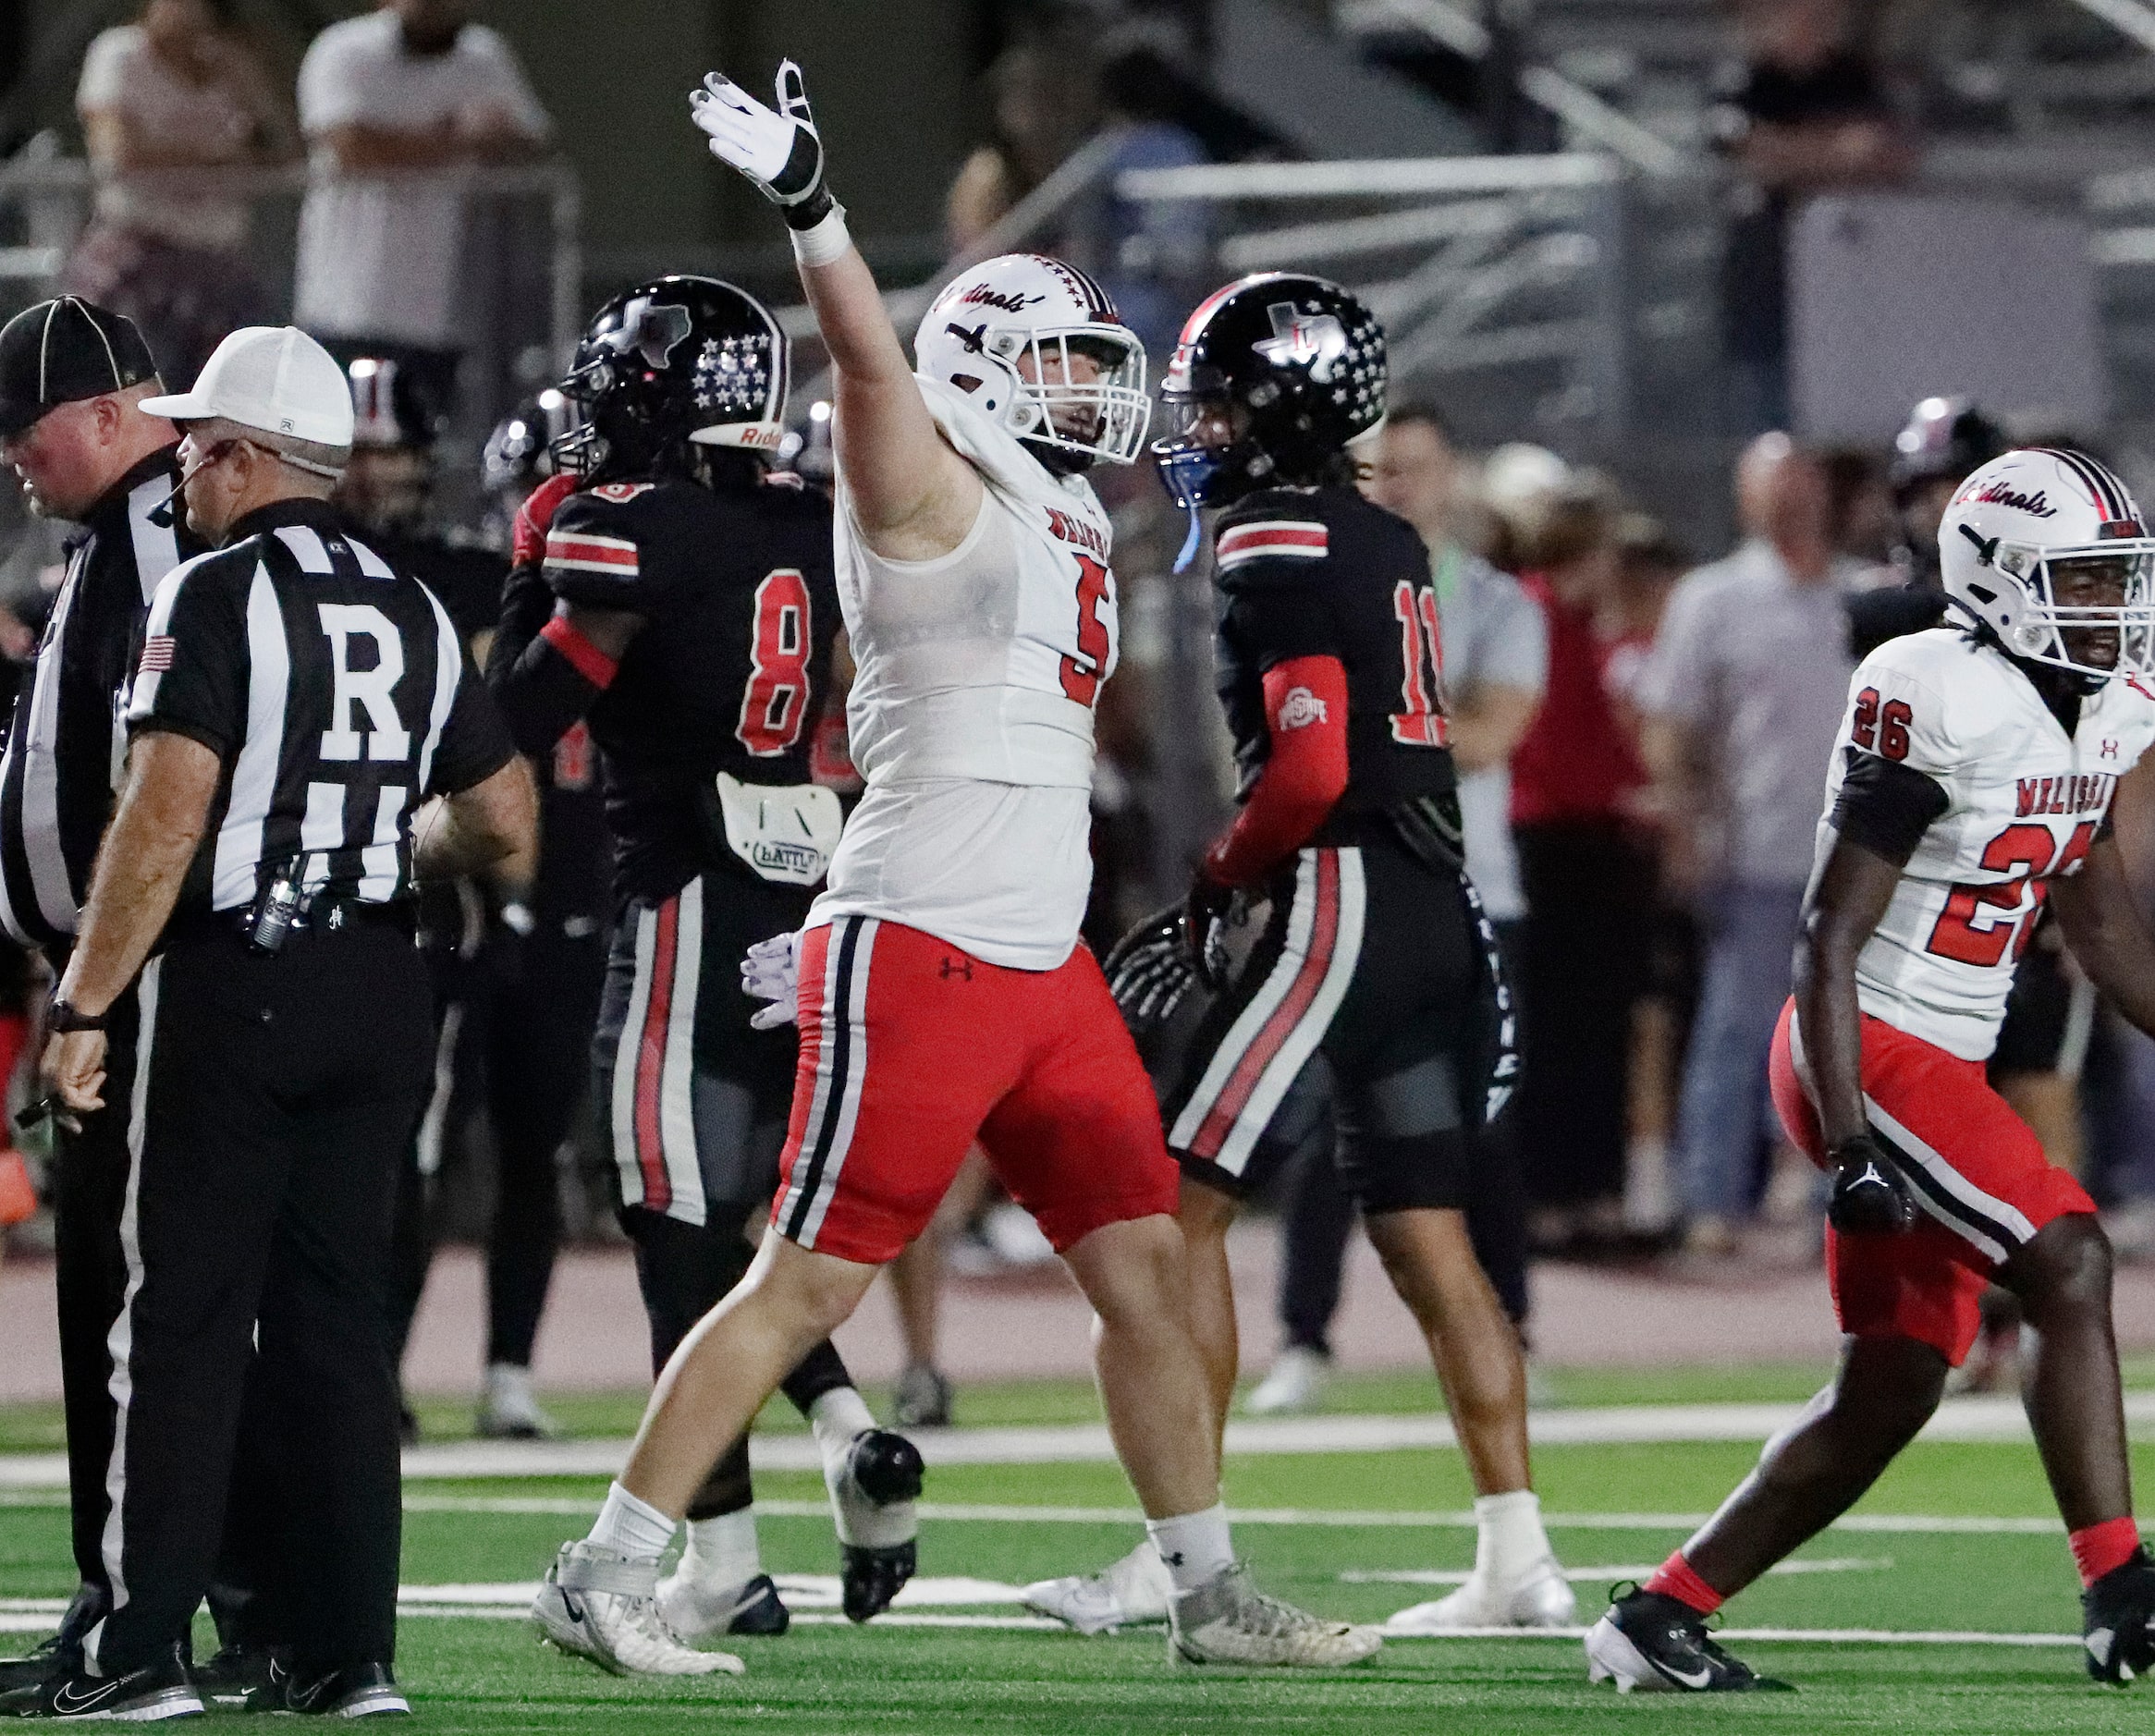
(1973, 784)
(940, 986)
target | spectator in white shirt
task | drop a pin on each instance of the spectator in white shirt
(167, 102)
(397, 105)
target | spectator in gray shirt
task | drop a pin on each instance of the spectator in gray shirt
(1742, 700)
(1494, 645)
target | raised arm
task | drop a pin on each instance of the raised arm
(913, 497)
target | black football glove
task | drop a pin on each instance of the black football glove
(1207, 910)
(1871, 1196)
(1150, 970)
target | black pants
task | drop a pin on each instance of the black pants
(1317, 1216)
(1583, 961)
(89, 1188)
(273, 1100)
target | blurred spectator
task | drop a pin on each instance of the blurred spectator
(1495, 663)
(1741, 702)
(394, 105)
(1043, 104)
(178, 90)
(1805, 111)
(1155, 258)
(1577, 788)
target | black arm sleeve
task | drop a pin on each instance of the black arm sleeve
(475, 743)
(1887, 807)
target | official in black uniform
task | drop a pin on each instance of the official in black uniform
(295, 704)
(73, 376)
(1374, 997)
(679, 595)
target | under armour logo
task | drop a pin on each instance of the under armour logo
(1315, 341)
(2110, 749)
(957, 966)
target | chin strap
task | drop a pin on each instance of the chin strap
(1192, 543)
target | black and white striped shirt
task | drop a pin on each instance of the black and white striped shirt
(336, 691)
(65, 750)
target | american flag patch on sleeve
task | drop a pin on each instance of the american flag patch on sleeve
(1272, 539)
(580, 551)
(156, 654)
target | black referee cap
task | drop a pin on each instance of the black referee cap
(63, 351)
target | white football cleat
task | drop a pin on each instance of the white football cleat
(1137, 1590)
(1297, 1383)
(509, 1410)
(1229, 1620)
(599, 1604)
(1541, 1597)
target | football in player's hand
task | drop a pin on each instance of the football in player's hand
(1871, 1196)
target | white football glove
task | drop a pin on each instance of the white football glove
(778, 150)
(772, 972)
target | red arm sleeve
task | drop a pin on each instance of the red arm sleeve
(1305, 706)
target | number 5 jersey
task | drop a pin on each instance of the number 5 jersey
(1947, 746)
(971, 712)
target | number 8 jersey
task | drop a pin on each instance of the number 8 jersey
(971, 713)
(1947, 743)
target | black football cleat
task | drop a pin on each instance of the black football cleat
(872, 1491)
(241, 1675)
(873, 1577)
(1649, 1644)
(159, 1689)
(356, 1691)
(761, 1610)
(2118, 1620)
(50, 1657)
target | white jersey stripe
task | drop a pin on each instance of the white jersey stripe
(1301, 919)
(40, 771)
(449, 666)
(120, 1340)
(828, 1044)
(1309, 1030)
(379, 860)
(622, 1109)
(848, 1109)
(157, 546)
(677, 1101)
(1993, 1226)
(269, 671)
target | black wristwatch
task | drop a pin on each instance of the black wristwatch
(64, 1016)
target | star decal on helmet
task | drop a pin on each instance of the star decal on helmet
(733, 374)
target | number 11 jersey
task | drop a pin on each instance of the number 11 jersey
(971, 713)
(2013, 802)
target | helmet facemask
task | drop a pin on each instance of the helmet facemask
(1102, 417)
(2045, 627)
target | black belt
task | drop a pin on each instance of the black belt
(324, 915)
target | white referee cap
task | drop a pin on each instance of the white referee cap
(271, 377)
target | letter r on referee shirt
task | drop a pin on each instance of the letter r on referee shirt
(371, 690)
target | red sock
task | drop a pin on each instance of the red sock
(1675, 1579)
(2101, 1548)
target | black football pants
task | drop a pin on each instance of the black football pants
(272, 1098)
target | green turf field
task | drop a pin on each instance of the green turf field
(1327, 1539)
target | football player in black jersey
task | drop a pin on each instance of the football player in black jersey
(1374, 996)
(676, 593)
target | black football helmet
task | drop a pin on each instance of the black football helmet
(1302, 357)
(1947, 440)
(670, 365)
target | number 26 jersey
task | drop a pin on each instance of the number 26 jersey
(2018, 802)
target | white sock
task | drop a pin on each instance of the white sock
(635, 1528)
(836, 1417)
(1511, 1538)
(721, 1552)
(1196, 1547)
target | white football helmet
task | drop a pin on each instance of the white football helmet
(2020, 517)
(991, 317)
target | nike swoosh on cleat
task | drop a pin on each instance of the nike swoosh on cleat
(67, 1705)
(1698, 1681)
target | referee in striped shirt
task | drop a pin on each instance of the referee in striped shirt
(73, 376)
(308, 737)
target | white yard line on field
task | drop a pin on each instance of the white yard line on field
(1459, 1576)
(1972, 1419)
